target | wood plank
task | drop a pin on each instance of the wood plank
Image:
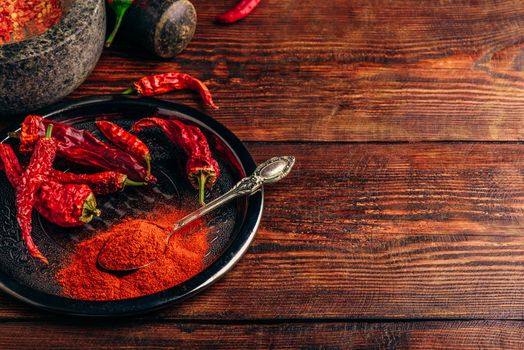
(351, 70)
(340, 335)
(377, 230)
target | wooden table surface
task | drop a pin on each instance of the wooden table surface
(402, 224)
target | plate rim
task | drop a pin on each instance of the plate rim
(148, 303)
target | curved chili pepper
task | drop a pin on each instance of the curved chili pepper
(162, 83)
(126, 142)
(120, 8)
(30, 182)
(201, 169)
(81, 147)
(241, 10)
(64, 205)
(101, 183)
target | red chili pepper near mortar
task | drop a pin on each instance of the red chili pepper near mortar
(241, 10)
(162, 83)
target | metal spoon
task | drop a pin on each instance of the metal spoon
(268, 172)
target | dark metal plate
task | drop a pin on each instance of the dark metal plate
(232, 228)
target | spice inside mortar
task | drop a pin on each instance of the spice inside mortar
(22, 19)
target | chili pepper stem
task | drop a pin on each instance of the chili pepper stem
(132, 183)
(120, 12)
(129, 91)
(49, 131)
(202, 179)
(89, 210)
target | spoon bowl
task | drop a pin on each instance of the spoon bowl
(132, 250)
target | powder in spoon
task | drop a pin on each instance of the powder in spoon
(134, 243)
(80, 278)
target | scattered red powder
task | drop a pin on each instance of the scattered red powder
(21, 19)
(184, 258)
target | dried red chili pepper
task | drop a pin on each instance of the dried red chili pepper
(10, 165)
(101, 183)
(67, 205)
(81, 147)
(64, 205)
(36, 173)
(238, 12)
(120, 8)
(126, 142)
(201, 169)
(162, 83)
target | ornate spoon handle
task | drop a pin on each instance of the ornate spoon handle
(270, 171)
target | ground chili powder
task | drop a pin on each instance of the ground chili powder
(21, 19)
(131, 247)
(184, 258)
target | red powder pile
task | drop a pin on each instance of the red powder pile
(133, 244)
(21, 19)
(184, 258)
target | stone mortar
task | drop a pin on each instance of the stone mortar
(43, 69)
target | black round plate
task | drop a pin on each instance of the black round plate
(232, 227)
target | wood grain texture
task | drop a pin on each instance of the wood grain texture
(337, 335)
(351, 70)
(378, 231)
(372, 242)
